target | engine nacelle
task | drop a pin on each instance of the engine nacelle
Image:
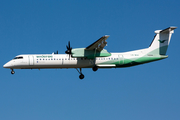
(89, 54)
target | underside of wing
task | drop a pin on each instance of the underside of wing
(99, 44)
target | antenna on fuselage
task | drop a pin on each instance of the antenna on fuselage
(55, 52)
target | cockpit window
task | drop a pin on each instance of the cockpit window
(20, 57)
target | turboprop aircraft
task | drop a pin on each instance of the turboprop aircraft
(95, 56)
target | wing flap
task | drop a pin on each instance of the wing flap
(99, 44)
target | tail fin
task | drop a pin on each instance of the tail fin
(161, 41)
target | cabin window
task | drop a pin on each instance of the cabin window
(20, 57)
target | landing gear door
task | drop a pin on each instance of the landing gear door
(121, 59)
(31, 60)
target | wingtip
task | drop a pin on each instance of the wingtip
(106, 35)
(173, 27)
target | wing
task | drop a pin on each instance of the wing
(99, 44)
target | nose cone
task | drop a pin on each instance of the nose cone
(7, 65)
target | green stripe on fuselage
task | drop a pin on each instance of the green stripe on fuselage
(135, 61)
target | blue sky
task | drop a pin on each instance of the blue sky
(149, 91)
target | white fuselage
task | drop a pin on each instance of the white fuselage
(43, 61)
(40, 61)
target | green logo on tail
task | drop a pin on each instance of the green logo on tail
(161, 41)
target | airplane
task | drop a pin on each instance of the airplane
(95, 56)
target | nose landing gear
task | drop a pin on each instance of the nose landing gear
(12, 71)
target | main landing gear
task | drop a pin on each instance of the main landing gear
(95, 68)
(12, 71)
(81, 76)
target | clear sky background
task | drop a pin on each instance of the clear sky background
(145, 92)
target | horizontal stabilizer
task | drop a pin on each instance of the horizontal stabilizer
(167, 30)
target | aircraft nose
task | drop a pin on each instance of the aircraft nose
(7, 65)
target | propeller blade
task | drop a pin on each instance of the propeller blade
(69, 48)
(69, 44)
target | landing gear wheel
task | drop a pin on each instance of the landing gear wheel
(12, 72)
(95, 68)
(81, 76)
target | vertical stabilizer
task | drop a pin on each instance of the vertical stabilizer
(161, 41)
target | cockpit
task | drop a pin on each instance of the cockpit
(16, 63)
(19, 57)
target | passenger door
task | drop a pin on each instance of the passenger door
(31, 60)
(121, 59)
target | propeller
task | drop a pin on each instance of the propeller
(69, 48)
